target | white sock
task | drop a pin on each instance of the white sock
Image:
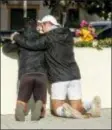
(87, 105)
(60, 111)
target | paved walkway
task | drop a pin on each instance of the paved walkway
(51, 122)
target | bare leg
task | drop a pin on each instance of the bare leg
(60, 108)
(78, 105)
(55, 104)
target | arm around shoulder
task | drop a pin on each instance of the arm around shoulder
(34, 44)
(8, 47)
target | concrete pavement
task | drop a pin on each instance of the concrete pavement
(51, 122)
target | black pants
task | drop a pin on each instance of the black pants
(33, 83)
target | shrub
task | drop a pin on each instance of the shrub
(100, 44)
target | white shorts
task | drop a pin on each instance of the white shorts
(61, 90)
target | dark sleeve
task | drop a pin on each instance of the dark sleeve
(34, 44)
(9, 47)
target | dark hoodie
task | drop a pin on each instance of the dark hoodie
(61, 64)
(29, 60)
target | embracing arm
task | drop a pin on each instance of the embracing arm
(34, 44)
(8, 47)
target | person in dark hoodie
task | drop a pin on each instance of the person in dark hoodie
(32, 74)
(62, 69)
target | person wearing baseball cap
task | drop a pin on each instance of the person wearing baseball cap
(48, 23)
(49, 18)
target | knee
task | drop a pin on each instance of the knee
(53, 111)
(57, 111)
(57, 108)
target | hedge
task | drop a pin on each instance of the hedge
(100, 44)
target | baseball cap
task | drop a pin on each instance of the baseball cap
(49, 18)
